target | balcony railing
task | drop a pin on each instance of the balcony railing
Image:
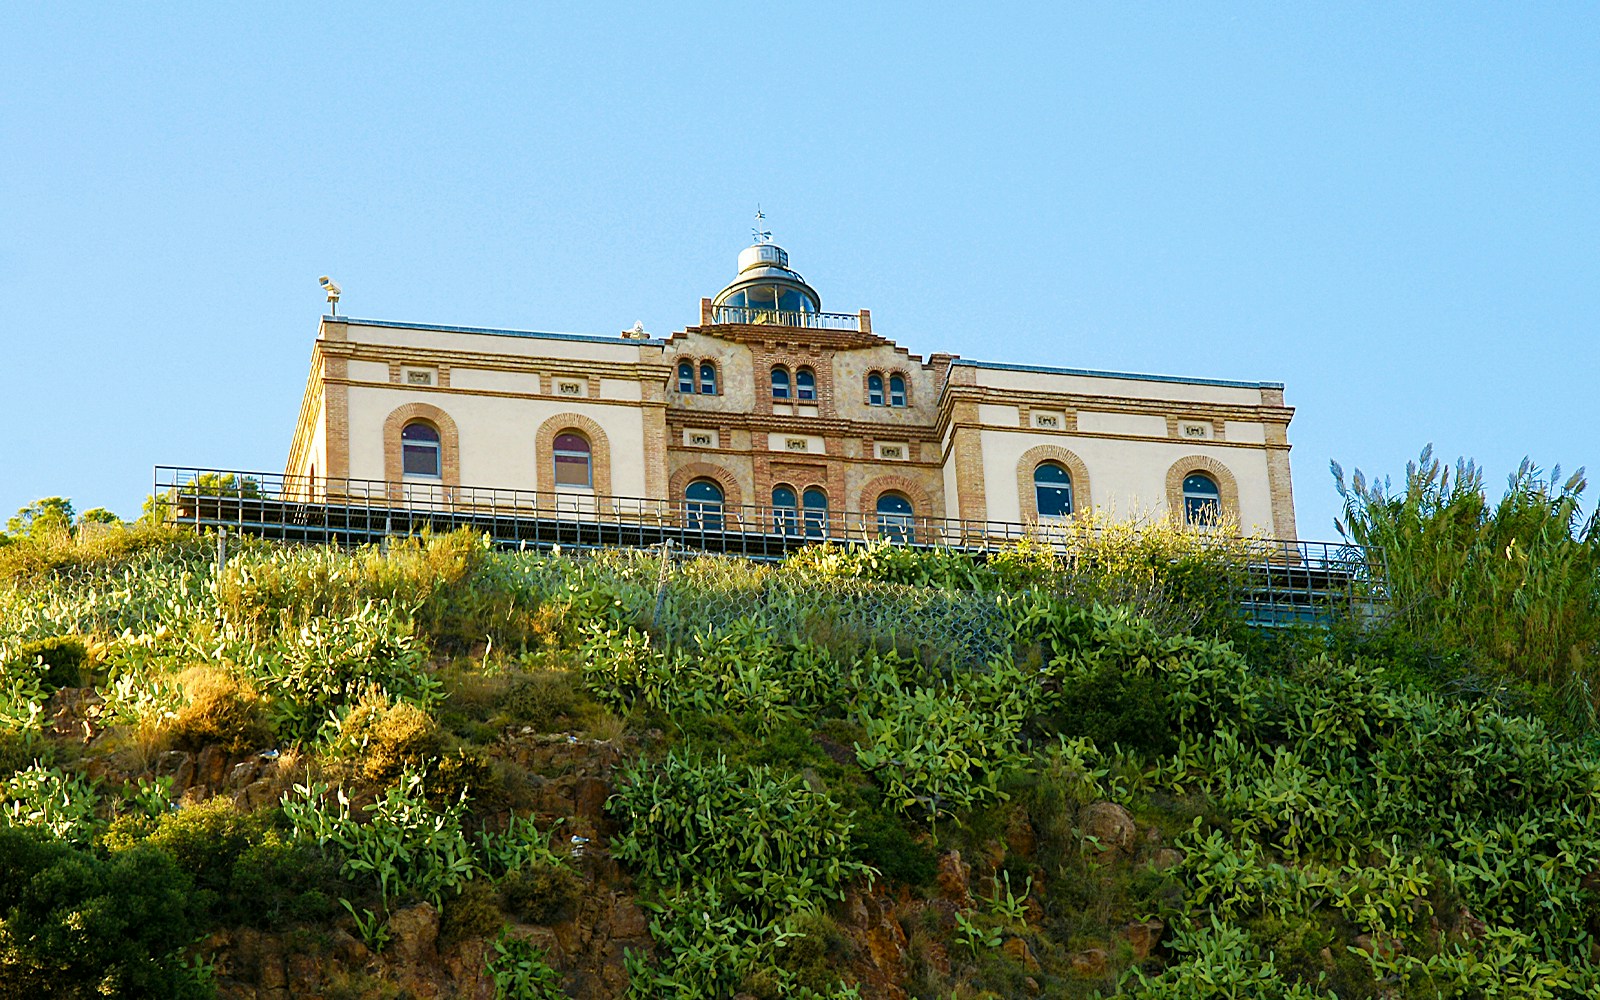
(751, 316)
(1290, 580)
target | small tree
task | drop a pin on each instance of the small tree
(47, 515)
(98, 515)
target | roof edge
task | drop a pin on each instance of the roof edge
(590, 338)
(1133, 376)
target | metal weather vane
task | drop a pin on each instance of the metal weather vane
(761, 235)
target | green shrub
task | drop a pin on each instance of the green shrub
(542, 892)
(243, 868)
(404, 848)
(80, 926)
(475, 913)
(57, 803)
(65, 661)
(519, 971)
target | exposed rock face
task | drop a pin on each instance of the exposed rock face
(1089, 962)
(1142, 937)
(955, 878)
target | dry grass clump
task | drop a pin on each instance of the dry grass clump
(222, 710)
(384, 738)
(36, 556)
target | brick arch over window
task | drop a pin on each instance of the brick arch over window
(544, 449)
(732, 496)
(1227, 485)
(449, 442)
(1032, 458)
(921, 502)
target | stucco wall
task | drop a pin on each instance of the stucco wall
(1130, 477)
(497, 436)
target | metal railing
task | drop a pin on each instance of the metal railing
(1290, 580)
(754, 316)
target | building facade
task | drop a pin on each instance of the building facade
(771, 414)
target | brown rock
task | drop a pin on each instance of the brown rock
(955, 877)
(305, 974)
(627, 920)
(1167, 858)
(1020, 837)
(348, 949)
(1018, 951)
(243, 773)
(414, 932)
(255, 795)
(590, 798)
(211, 767)
(1110, 825)
(1032, 985)
(1142, 937)
(273, 974)
(1090, 962)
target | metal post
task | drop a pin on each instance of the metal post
(222, 549)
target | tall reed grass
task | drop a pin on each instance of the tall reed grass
(1514, 583)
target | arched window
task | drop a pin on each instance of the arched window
(785, 512)
(780, 382)
(708, 378)
(1202, 501)
(895, 518)
(815, 502)
(1052, 490)
(686, 376)
(805, 384)
(573, 460)
(897, 390)
(702, 505)
(874, 389)
(419, 450)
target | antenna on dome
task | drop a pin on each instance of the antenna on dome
(761, 235)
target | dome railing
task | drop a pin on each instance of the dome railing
(756, 316)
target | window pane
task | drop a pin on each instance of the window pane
(785, 518)
(875, 389)
(572, 442)
(419, 432)
(420, 459)
(805, 384)
(708, 378)
(897, 391)
(703, 505)
(686, 377)
(816, 513)
(1202, 502)
(780, 383)
(895, 519)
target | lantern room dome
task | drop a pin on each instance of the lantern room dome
(766, 282)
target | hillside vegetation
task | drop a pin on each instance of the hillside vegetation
(443, 770)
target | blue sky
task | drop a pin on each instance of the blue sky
(1393, 209)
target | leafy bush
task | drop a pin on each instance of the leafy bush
(519, 971)
(80, 926)
(60, 661)
(244, 870)
(541, 892)
(56, 802)
(729, 852)
(404, 846)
